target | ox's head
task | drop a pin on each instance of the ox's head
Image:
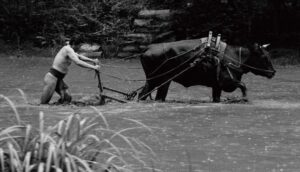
(259, 62)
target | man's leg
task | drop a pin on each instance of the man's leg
(62, 90)
(49, 88)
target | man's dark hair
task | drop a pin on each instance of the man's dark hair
(75, 41)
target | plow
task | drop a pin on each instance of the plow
(103, 97)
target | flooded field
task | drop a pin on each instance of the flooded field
(191, 133)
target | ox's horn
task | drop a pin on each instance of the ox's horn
(266, 45)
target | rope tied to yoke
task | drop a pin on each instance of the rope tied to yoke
(174, 57)
(160, 66)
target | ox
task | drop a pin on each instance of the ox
(184, 63)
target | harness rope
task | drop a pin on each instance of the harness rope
(179, 55)
(116, 66)
(160, 75)
(165, 73)
(126, 58)
(165, 82)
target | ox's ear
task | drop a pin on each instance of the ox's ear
(265, 45)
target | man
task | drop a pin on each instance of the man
(53, 80)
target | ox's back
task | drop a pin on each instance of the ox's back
(156, 54)
(158, 50)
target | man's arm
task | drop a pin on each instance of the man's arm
(84, 58)
(74, 57)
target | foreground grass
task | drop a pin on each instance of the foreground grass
(75, 144)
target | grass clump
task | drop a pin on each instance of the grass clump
(75, 144)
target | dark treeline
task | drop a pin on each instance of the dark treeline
(48, 22)
(242, 21)
(239, 21)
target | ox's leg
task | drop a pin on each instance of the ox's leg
(216, 94)
(162, 92)
(243, 88)
(145, 92)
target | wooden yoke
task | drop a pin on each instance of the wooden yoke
(209, 38)
(213, 49)
(218, 41)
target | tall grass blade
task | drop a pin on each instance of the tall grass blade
(81, 162)
(12, 105)
(12, 129)
(68, 129)
(76, 129)
(23, 95)
(2, 157)
(124, 138)
(110, 159)
(141, 124)
(68, 165)
(120, 157)
(139, 159)
(49, 157)
(57, 169)
(61, 128)
(26, 162)
(27, 138)
(42, 137)
(32, 168)
(87, 138)
(17, 161)
(144, 145)
(11, 157)
(114, 147)
(73, 164)
(54, 155)
(101, 115)
(42, 122)
(41, 167)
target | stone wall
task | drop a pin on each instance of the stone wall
(150, 26)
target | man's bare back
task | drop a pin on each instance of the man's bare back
(62, 61)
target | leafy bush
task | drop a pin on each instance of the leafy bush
(82, 144)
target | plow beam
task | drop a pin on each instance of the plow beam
(113, 98)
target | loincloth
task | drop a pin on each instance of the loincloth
(59, 75)
(60, 83)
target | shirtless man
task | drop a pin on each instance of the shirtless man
(53, 80)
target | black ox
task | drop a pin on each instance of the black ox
(185, 63)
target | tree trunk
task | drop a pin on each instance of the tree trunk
(276, 15)
(28, 10)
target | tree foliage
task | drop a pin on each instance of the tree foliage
(50, 21)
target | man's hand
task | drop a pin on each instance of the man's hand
(97, 67)
(96, 62)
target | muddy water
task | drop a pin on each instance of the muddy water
(191, 134)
